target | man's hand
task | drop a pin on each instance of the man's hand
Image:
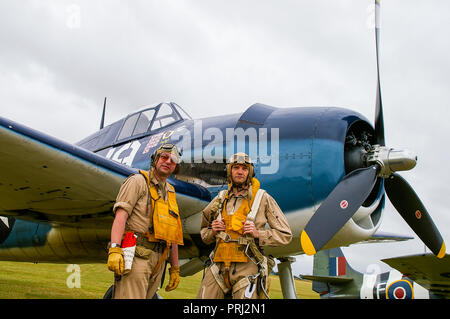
(250, 228)
(115, 260)
(174, 279)
(218, 225)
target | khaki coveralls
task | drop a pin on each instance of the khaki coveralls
(278, 234)
(133, 197)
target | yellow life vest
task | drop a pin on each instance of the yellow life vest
(166, 217)
(230, 251)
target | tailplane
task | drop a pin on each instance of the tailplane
(333, 277)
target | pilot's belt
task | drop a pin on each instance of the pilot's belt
(240, 240)
(255, 250)
(143, 240)
(227, 238)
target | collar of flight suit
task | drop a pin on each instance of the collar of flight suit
(161, 186)
(242, 193)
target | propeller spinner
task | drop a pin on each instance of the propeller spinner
(373, 161)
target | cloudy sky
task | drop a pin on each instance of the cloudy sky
(59, 59)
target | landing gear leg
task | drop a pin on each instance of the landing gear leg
(286, 277)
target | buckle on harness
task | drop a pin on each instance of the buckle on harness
(243, 241)
(251, 287)
(225, 237)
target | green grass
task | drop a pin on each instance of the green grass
(20, 280)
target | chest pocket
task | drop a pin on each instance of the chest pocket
(166, 217)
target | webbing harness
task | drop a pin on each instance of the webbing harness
(264, 264)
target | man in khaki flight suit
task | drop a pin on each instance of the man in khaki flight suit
(237, 225)
(145, 201)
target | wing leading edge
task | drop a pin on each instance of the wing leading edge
(425, 269)
(46, 179)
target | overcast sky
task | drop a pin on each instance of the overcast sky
(59, 59)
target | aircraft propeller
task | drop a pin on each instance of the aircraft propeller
(348, 196)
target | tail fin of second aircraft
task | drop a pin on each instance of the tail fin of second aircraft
(333, 277)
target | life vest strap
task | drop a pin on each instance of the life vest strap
(160, 261)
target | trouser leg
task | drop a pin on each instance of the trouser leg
(240, 294)
(137, 284)
(209, 288)
(155, 281)
(237, 274)
(134, 284)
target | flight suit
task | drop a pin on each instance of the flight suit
(277, 234)
(134, 198)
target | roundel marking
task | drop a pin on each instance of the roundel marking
(399, 293)
(343, 204)
(400, 289)
(418, 214)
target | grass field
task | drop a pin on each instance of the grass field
(53, 281)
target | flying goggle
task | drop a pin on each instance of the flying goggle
(166, 156)
(169, 151)
(240, 158)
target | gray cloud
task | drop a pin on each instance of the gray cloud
(58, 60)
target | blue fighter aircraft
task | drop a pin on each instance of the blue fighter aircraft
(327, 167)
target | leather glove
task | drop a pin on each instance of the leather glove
(174, 279)
(115, 260)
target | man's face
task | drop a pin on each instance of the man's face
(239, 173)
(165, 165)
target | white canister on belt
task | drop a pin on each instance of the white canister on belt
(128, 248)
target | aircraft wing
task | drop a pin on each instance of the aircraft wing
(428, 271)
(46, 179)
(383, 237)
(328, 279)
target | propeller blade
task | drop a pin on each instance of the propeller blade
(409, 206)
(379, 121)
(342, 203)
